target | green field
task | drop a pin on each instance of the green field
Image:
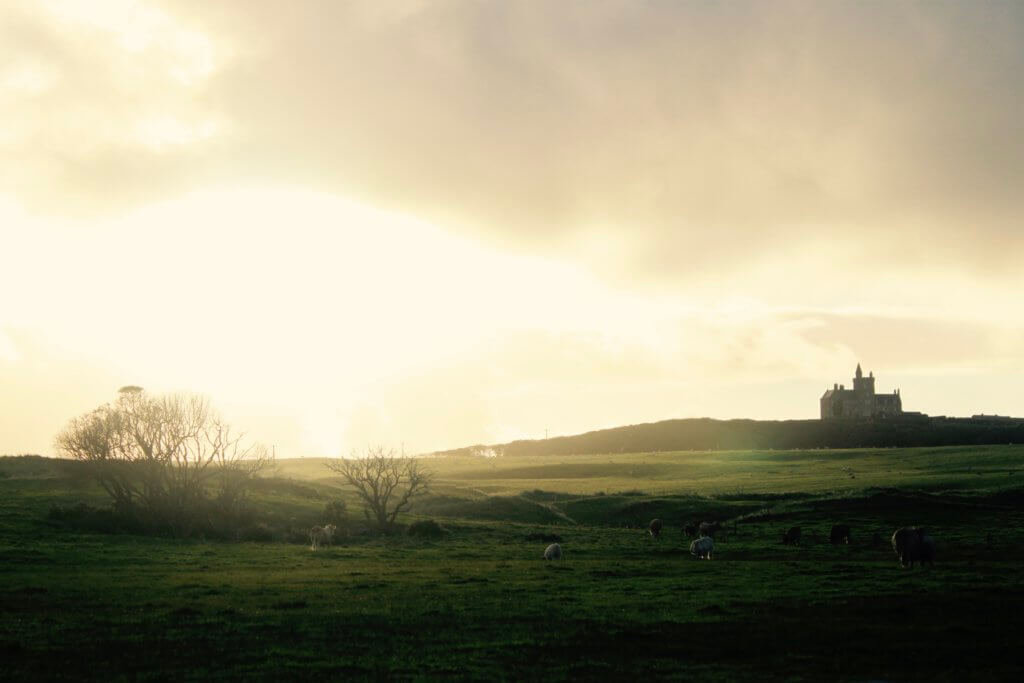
(481, 604)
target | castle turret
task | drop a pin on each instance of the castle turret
(863, 385)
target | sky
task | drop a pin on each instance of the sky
(427, 225)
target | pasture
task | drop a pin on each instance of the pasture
(479, 603)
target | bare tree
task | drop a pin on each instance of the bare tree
(385, 482)
(158, 457)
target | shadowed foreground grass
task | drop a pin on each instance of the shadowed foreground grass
(481, 604)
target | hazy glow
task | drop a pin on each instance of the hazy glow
(451, 222)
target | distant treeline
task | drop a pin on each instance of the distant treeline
(707, 434)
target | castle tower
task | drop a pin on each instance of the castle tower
(863, 385)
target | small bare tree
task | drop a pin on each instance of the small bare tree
(384, 481)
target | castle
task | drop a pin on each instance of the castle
(861, 401)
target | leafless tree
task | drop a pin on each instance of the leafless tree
(385, 481)
(159, 456)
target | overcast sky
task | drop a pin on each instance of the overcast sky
(444, 223)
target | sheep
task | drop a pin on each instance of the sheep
(912, 544)
(792, 537)
(702, 547)
(654, 528)
(553, 552)
(321, 535)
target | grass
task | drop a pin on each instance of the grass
(480, 604)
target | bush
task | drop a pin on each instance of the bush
(426, 528)
(336, 513)
(259, 533)
(84, 517)
(293, 535)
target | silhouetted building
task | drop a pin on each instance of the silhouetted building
(861, 401)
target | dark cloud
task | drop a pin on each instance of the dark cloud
(707, 135)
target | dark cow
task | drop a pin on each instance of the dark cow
(840, 534)
(709, 528)
(690, 529)
(792, 537)
(913, 544)
(654, 528)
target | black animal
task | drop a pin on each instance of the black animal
(709, 528)
(690, 529)
(654, 528)
(702, 548)
(792, 537)
(913, 544)
(840, 534)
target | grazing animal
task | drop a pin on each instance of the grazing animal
(792, 537)
(927, 550)
(553, 552)
(654, 528)
(840, 534)
(702, 547)
(321, 535)
(690, 529)
(709, 528)
(912, 544)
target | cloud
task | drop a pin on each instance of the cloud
(606, 211)
(104, 104)
(703, 137)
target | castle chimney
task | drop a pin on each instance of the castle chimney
(842, 387)
(835, 387)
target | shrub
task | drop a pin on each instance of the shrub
(293, 535)
(260, 533)
(426, 528)
(336, 513)
(84, 517)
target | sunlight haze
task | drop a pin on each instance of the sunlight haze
(436, 224)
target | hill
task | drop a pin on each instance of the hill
(705, 434)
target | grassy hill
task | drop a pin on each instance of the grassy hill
(707, 434)
(479, 603)
(717, 472)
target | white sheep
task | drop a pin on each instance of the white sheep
(702, 547)
(321, 535)
(553, 552)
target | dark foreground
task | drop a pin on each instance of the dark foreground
(480, 604)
